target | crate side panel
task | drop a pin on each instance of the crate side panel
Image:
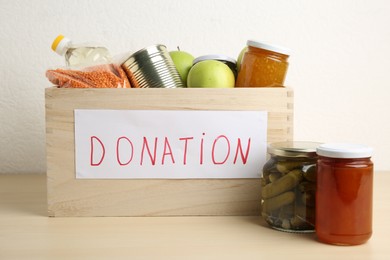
(70, 197)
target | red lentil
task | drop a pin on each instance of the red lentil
(101, 76)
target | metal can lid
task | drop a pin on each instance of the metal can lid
(269, 47)
(214, 57)
(294, 149)
(146, 52)
(344, 150)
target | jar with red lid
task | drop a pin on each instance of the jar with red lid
(344, 194)
(263, 65)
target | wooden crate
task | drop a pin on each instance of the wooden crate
(68, 196)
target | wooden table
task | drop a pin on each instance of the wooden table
(27, 233)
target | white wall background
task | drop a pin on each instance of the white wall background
(339, 68)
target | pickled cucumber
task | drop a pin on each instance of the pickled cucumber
(263, 182)
(286, 166)
(272, 204)
(306, 186)
(308, 199)
(274, 176)
(310, 173)
(287, 212)
(268, 168)
(307, 213)
(297, 222)
(283, 184)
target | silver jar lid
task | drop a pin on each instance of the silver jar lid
(218, 57)
(294, 149)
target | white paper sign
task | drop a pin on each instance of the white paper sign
(165, 144)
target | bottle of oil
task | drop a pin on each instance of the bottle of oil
(79, 55)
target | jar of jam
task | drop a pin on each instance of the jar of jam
(344, 194)
(263, 65)
(288, 186)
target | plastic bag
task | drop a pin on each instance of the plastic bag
(99, 76)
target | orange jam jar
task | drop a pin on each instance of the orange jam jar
(344, 194)
(263, 65)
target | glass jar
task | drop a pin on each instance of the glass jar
(230, 62)
(344, 194)
(263, 65)
(288, 186)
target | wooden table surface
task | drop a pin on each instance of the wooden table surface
(27, 233)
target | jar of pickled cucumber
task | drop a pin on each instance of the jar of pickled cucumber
(288, 186)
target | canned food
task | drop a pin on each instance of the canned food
(263, 65)
(152, 67)
(230, 62)
(288, 186)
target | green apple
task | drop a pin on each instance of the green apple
(239, 59)
(183, 63)
(210, 74)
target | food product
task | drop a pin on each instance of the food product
(263, 65)
(80, 55)
(240, 56)
(100, 76)
(344, 194)
(152, 67)
(183, 63)
(282, 184)
(210, 74)
(288, 186)
(230, 62)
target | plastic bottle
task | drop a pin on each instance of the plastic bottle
(77, 55)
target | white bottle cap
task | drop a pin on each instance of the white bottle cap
(344, 150)
(60, 44)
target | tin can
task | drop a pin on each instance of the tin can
(288, 186)
(344, 193)
(152, 67)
